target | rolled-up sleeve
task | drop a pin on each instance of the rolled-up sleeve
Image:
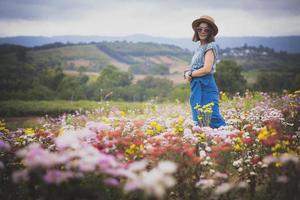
(214, 47)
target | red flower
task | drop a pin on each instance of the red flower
(248, 140)
(255, 160)
(138, 123)
(272, 140)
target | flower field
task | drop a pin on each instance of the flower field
(155, 152)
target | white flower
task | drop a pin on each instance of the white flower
(240, 169)
(208, 149)
(223, 188)
(167, 167)
(269, 159)
(205, 163)
(154, 182)
(288, 158)
(242, 184)
(264, 165)
(282, 179)
(202, 154)
(205, 183)
(138, 165)
(68, 140)
(252, 173)
(259, 163)
(237, 163)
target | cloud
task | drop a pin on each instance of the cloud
(170, 18)
(74, 9)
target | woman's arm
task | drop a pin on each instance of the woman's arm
(208, 63)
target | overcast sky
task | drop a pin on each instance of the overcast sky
(167, 18)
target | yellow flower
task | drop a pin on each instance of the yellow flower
(278, 164)
(263, 134)
(155, 128)
(29, 131)
(2, 127)
(122, 113)
(134, 150)
(238, 144)
(201, 137)
(180, 119)
(178, 125)
(275, 154)
(150, 132)
(141, 147)
(61, 131)
(197, 107)
(158, 128)
(237, 147)
(286, 142)
(153, 124)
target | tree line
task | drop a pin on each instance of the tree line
(23, 80)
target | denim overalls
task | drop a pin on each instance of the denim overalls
(204, 89)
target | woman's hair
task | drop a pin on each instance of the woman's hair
(210, 36)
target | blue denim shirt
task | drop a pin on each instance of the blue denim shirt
(198, 58)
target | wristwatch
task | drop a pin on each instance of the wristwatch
(190, 74)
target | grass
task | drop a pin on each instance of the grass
(250, 76)
(24, 114)
(19, 108)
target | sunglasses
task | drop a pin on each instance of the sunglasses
(205, 30)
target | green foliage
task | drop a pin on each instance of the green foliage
(111, 80)
(151, 87)
(51, 77)
(16, 108)
(37, 73)
(276, 82)
(229, 78)
(180, 93)
(110, 77)
(72, 88)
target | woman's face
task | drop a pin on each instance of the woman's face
(203, 31)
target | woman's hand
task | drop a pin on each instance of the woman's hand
(187, 75)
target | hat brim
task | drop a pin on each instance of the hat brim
(196, 23)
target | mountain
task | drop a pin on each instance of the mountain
(290, 44)
(142, 58)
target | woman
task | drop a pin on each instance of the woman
(203, 86)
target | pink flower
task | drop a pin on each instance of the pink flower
(68, 140)
(35, 156)
(4, 146)
(112, 181)
(57, 176)
(98, 126)
(196, 129)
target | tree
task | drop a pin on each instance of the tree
(229, 78)
(151, 87)
(21, 54)
(276, 82)
(109, 80)
(51, 77)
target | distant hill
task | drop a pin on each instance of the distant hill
(142, 58)
(290, 44)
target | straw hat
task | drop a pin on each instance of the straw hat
(207, 19)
